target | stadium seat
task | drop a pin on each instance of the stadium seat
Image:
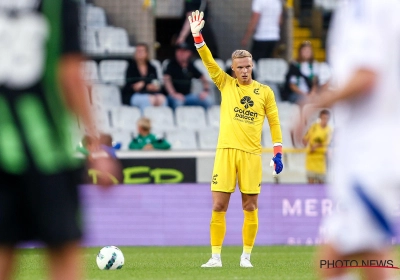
(288, 112)
(114, 40)
(208, 138)
(157, 64)
(198, 63)
(190, 117)
(90, 71)
(287, 140)
(102, 115)
(123, 137)
(125, 118)
(326, 5)
(213, 115)
(162, 118)
(324, 73)
(90, 43)
(276, 90)
(182, 139)
(106, 95)
(113, 71)
(95, 17)
(164, 64)
(272, 70)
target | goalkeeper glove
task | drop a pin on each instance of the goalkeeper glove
(196, 24)
(276, 161)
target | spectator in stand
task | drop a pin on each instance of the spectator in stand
(302, 77)
(207, 32)
(178, 79)
(264, 26)
(317, 140)
(147, 141)
(142, 88)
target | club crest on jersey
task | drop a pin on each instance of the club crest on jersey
(256, 91)
(247, 102)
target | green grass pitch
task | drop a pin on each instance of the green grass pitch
(270, 262)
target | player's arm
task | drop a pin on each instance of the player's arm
(255, 17)
(73, 88)
(271, 112)
(361, 83)
(217, 74)
(184, 31)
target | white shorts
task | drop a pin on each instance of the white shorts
(367, 198)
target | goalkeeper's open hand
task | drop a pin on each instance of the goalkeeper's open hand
(196, 24)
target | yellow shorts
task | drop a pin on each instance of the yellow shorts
(232, 164)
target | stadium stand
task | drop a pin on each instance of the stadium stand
(114, 40)
(122, 137)
(89, 42)
(182, 139)
(106, 95)
(162, 118)
(90, 71)
(213, 116)
(157, 64)
(113, 71)
(125, 118)
(272, 70)
(94, 17)
(208, 138)
(190, 117)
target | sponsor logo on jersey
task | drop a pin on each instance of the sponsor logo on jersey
(256, 91)
(214, 179)
(247, 102)
(244, 115)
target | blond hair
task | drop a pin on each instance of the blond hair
(144, 123)
(241, 54)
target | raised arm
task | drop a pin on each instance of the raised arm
(217, 74)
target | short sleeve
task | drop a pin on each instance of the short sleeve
(256, 6)
(168, 70)
(70, 27)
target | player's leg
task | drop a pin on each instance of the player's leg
(55, 215)
(7, 258)
(222, 185)
(250, 226)
(65, 261)
(11, 222)
(249, 177)
(217, 227)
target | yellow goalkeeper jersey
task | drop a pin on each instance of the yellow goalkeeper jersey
(243, 109)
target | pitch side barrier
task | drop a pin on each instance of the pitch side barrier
(146, 215)
(173, 167)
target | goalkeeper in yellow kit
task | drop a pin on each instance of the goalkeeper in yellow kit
(245, 104)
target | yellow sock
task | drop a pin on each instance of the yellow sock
(217, 231)
(249, 232)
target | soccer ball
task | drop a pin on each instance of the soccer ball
(109, 258)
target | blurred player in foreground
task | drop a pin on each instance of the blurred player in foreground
(364, 46)
(245, 104)
(40, 77)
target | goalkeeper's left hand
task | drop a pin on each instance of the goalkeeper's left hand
(276, 161)
(196, 25)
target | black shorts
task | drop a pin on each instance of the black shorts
(263, 49)
(40, 207)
